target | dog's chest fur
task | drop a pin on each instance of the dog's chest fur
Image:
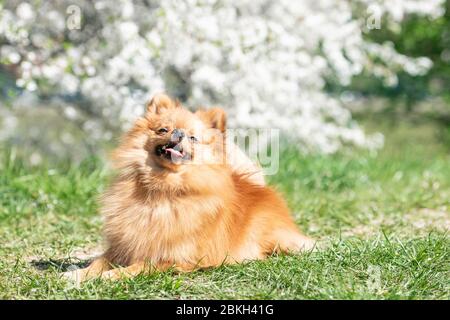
(176, 230)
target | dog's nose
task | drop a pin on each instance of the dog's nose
(177, 135)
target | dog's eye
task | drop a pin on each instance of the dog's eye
(163, 130)
(193, 139)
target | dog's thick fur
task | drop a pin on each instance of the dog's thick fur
(196, 214)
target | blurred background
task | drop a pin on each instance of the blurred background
(359, 90)
(332, 75)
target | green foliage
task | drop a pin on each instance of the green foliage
(8, 88)
(419, 36)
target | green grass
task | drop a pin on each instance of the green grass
(381, 218)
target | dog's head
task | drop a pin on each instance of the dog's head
(178, 137)
(170, 141)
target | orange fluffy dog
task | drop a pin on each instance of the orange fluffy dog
(177, 204)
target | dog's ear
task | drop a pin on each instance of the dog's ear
(215, 117)
(160, 103)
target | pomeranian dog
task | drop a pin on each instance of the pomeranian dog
(177, 202)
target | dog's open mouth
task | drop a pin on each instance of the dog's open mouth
(172, 151)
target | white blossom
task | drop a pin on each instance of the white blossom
(266, 62)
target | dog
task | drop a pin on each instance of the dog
(177, 203)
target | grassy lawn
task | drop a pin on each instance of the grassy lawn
(382, 220)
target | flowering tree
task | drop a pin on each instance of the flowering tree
(265, 61)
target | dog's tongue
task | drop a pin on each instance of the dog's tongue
(174, 152)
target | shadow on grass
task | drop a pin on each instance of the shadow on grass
(60, 264)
